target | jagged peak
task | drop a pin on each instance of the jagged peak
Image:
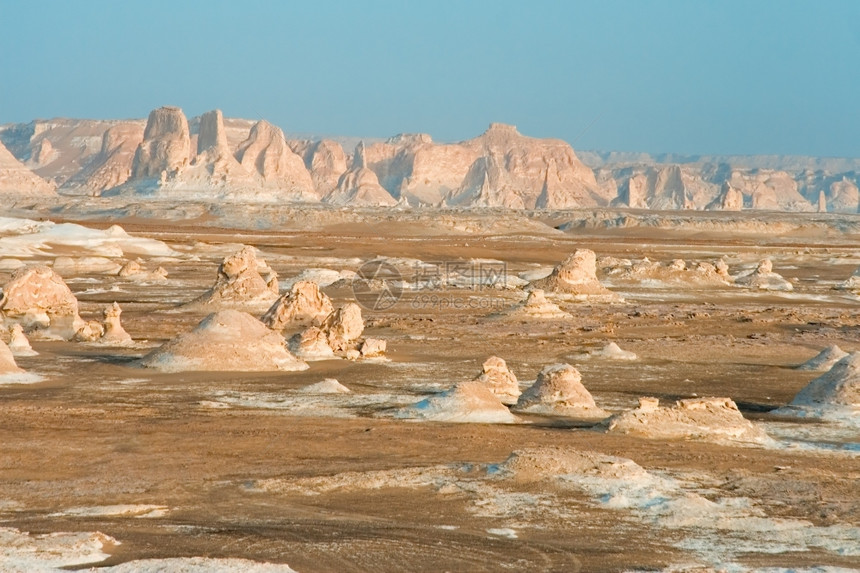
(409, 138)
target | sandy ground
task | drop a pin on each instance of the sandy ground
(242, 465)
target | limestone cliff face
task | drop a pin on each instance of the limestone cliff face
(842, 196)
(730, 199)
(213, 158)
(668, 187)
(60, 148)
(267, 154)
(325, 160)
(214, 164)
(544, 173)
(360, 186)
(112, 166)
(263, 167)
(17, 179)
(500, 168)
(166, 145)
(766, 189)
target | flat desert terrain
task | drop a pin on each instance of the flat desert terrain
(403, 465)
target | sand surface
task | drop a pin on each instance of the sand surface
(236, 465)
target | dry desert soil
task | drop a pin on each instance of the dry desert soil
(234, 464)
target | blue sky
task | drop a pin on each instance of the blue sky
(729, 77)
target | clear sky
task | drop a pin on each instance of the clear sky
(728, 77)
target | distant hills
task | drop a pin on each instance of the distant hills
(210, 157)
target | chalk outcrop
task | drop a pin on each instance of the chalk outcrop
(835, 395)
(166, 145)
(7, 361)
(466, 402)
(114, 333)
(677, 272)
(824, 360)
(327, 386)
(133, 270)
(730, 199)
(576, 277)
(373, 348)
(39, 300)
(17, 179)
(303, 304)
(267, 154)
(613, 352)
(311, 344)
(558, 391)
(763, 278)
(239, 284)
(343, 326)
(72, 266)
(327, 162)
(228, 340)
(18, 342)
(360, 186)
(852, 283)
(536, 306)
(499, 379)
(112, 165)
(549, 463)
(707, 419)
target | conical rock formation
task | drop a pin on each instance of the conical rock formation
(239, 284)
(824, 360)
(7, 361)
(576, 277)
(228, 340)
(114, 333)
(166, 145)
(558, 391)
(837, 388)
(466, 402)
(536, 306)
(18, 343)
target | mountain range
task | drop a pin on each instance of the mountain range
(213, 158)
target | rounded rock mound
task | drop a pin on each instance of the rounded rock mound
(536, 306)
(614, 352)
(228, 340)
(39, 300)
(558, 391)
(466, 402)
(707, 419)
(550, 462)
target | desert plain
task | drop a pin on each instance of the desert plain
(405, 463)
